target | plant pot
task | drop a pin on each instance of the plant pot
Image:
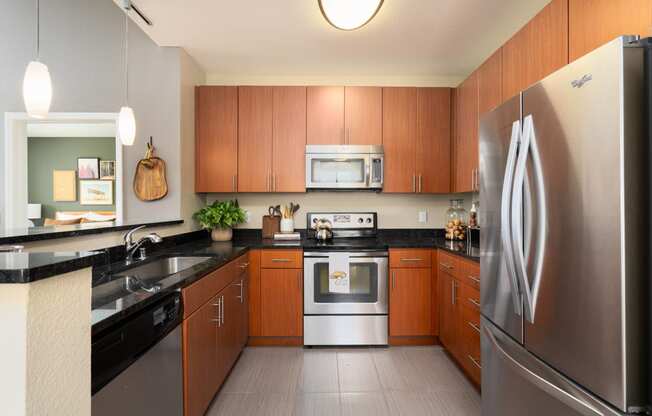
(222, 234)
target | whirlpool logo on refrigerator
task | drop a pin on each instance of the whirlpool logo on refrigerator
(579, 83)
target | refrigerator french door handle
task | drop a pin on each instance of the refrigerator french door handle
(528, 147)
(555, 390)
(505, 225)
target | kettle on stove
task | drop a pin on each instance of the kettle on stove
(323, 229)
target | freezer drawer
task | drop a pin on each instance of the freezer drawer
(516, 383)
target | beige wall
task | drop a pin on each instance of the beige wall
(45, 348)
(394, 210)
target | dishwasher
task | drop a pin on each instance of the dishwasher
(136, 366)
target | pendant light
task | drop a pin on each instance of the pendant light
(126, 119)
(348, 14)
(37, 85)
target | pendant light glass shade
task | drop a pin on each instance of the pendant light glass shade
(126, 126)
(37, 90)
(349, 14)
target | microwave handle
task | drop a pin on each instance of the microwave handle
(368, 171)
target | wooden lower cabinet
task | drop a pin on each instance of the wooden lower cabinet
(213, 337)
(459, 312)
(410, 301)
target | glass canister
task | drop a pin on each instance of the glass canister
(456, 220)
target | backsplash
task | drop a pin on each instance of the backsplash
(394, 210)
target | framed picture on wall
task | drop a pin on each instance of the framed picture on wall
(107, 169)
(88, 167)
(64, 185)
(96, 192)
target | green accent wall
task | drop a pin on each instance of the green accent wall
(46, 154)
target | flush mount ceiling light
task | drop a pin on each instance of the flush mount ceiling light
(37, 85)
(126, 118)
(349, 14)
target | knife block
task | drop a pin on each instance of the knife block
(271, 225)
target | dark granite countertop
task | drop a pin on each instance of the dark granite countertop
(30, 267)
(26, 234)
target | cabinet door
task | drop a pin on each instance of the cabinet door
(325, 119)
(466, 142)
(447, 316)
(490, 83)
(201, 378)
(537, 50)
(242, 286)
(399, 138)
(433, 148)
(363, 108)
(229, 331)
(595, 22)
(282, 302)
(255, 139)
(216, 139)
(289, 143)
(410, 312)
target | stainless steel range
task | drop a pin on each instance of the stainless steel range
(345, 288)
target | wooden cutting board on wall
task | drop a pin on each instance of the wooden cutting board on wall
(150, 183)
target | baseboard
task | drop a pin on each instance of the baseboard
(274, 341)
(420, 340)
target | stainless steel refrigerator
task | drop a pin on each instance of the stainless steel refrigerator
(564, 251)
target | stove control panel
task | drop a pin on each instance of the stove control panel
(345, 220)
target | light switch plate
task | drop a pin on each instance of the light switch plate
(423, 216)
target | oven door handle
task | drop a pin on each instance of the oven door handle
(325, 255)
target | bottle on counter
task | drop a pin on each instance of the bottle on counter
(456, 220)
(473, 214)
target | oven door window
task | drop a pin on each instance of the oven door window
(333, 171)
(364, 284)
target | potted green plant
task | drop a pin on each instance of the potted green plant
(220, 217)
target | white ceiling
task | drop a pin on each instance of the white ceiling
(408, 42)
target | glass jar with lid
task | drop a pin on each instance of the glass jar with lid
(456, 220)
(473, 214)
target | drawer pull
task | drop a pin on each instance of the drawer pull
(281, 260)
(244, 266)
(475, 279)
(474, 361)
(411, 260)
(473, 301)
(474, 326)
(448, 266)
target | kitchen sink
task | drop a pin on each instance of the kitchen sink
(143, 279)
(161, 268)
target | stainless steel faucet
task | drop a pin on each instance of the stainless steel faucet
(131, 246)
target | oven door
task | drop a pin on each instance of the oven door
(337, 171)
(368, 277)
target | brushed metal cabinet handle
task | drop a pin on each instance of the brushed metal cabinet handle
(233, 186)
(474, 361)
(411, 259)
(474, 302)
(446, 265)
(393, 279)
(474, 326)
(420, 183)
(275, 183)
(243, 266)
(453, 292)
(414, 182)
(222, 308)
(219, 313)
(475, 279)
(281, 260)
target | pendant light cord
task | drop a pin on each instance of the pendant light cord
(38, 30)
(127, 57)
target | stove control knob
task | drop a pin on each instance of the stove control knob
(368, 220)
(314, 220)
(360, 220)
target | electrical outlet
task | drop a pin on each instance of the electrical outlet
(247, 216)
(423, 216)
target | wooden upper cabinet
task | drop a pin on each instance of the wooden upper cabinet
(593, 23)
(433, 140)
(466, 131)
(216, 139)
(538, 49)
(289, 139)
(255, 139)
(325, 118)
(490, 83)
(363, 119)
(399, 138)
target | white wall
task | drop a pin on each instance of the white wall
(82, 44)
(394, 210)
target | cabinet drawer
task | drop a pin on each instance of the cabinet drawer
(448, 263)
(409, 258)
(281, 259)
(470, 273)
(471, 298)
(471, 346)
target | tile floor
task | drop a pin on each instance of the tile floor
(369, 381)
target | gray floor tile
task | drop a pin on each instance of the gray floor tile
(319, 372)
(357, 371)
(317, 404)
(363, 404)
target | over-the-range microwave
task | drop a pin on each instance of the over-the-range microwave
(345, 167)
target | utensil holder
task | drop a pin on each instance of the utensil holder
(287, 225)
